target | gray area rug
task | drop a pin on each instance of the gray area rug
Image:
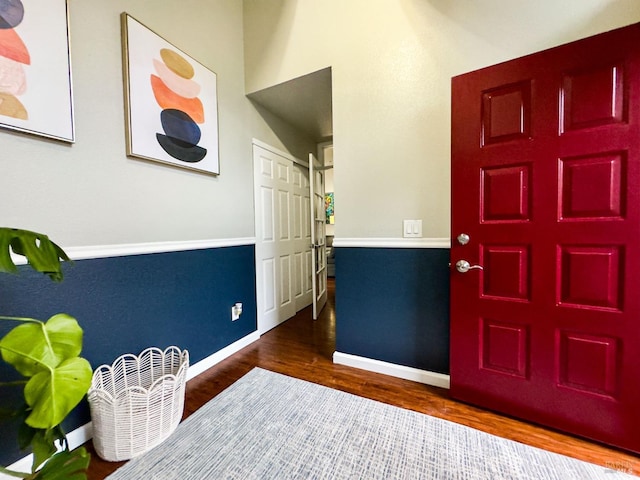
(270, 426)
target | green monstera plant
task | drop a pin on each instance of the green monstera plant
(47, 355)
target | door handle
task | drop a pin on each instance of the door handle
(463, 266)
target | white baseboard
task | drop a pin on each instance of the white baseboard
(400, 371)
(84, 433)
(22, 465)
(226, 352)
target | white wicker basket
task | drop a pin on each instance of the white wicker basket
(137, 402)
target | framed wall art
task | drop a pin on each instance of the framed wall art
(171, 102)
(35, 68)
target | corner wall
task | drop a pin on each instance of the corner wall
(89, 197)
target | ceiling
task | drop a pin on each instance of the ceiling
(304, 102)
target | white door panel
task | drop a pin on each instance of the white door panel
(302, 243)
(317, 227)
(297, 216)
(283, 205)
(298, 265)
(267, 209)
(285, 281)
(280, 238)
(268, 272)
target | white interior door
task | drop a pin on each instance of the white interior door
(317, 225)
(275, 251)
(302, 287)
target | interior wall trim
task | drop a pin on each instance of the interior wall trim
(84, 433)
(393, 242)
(123, 250)
(215, 358)
(400, 371)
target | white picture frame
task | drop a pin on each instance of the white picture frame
(36, 94)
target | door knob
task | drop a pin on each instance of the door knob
(463, 266)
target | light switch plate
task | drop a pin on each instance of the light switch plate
(412, 228)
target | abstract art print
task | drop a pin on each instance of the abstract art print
(329, 206)
(35, 68)
(171, 102)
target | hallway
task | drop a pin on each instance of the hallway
(303, 349)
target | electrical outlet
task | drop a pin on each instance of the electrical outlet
(236, 311)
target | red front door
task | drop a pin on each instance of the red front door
(546, 184)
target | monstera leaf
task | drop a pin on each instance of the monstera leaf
(65, 465)
(48, 354)
(35, 346)
(53, 394)
(43, 443)
(42, 254)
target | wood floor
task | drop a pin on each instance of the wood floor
(303, 348)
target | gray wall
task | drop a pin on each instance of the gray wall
(392, 63)
(90, 193)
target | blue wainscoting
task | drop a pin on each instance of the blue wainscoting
(126, 304)
(392, 305)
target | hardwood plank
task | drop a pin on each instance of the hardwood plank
(303, 349)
